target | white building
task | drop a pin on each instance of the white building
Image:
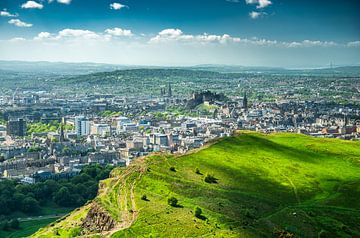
(82, 126)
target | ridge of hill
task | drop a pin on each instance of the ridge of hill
(276, 185)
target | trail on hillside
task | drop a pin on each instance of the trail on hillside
(125, 197)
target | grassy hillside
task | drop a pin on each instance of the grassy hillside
(267, 186)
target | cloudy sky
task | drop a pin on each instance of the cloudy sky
(287, 33)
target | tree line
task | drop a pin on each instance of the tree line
(31, 198)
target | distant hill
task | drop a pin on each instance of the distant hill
(278, 185)
(64, 68)
(57, 68)
(335, 71)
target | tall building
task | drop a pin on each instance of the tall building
(169, 91)
(16, 127)
(82, 126)
(245, 102)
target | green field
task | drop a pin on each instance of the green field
(26, 228)
(278, 185)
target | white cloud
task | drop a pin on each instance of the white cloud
(78, 34)
(61, 1)
(353, 44)
(5, 13)
(64, 1)
(117, 6)
(176, 35)
(118, 32)
(17, 39)
(19, 23)
(254, 15)
(43, 36)
(173, 36)
(310, 43)
(264, 3)
(260, 3)
(32, 4)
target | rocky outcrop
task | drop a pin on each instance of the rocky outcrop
(97, 221)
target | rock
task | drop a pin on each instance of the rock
(97, 220)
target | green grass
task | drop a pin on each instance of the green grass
(309, 187)
(26, 228)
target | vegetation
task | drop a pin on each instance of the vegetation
(172, 201)
(26, 228)
(35, 199)
(210, 179)
(108, 113)
(198, 213)
(277, 185)
(39, 127)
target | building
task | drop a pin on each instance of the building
(169, 91)
(16, 127)
(245, 103)
(82, 126)
(100, 129)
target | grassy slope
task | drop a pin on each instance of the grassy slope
(305, 185)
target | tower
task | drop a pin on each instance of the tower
(82, 126)
(245, 102)
(62, 134)
(169, 91)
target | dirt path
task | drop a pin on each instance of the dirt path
(126, 199)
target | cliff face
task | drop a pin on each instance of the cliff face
(97, 220)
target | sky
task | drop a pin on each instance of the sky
(275, 33)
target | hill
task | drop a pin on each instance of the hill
(278, 185)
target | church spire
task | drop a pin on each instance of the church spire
(245, 102)
(169, 90)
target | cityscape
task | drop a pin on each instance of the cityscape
(66, 133)
(169, 119)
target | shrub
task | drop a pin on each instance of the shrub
(198, 212)
(197, 171)
(14, 224)
(172, 169)
(210, 179)
(172, 201)
(144, 197)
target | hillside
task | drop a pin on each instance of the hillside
(278, 185)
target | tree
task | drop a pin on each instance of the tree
(5, 226)
(198, 213)
(172, 201)
(144, 197)
(30, 205)
(197, 171)
(62, 197)
(14, 224)
(210, 179)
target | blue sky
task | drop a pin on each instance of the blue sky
(288, 33)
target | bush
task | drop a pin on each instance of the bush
(172, 169)
(210, 179)
(14, 224)
(5, 226)
(75, 232)
(197, 171)
(172, 201)
(144, 197)
(30, 205)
